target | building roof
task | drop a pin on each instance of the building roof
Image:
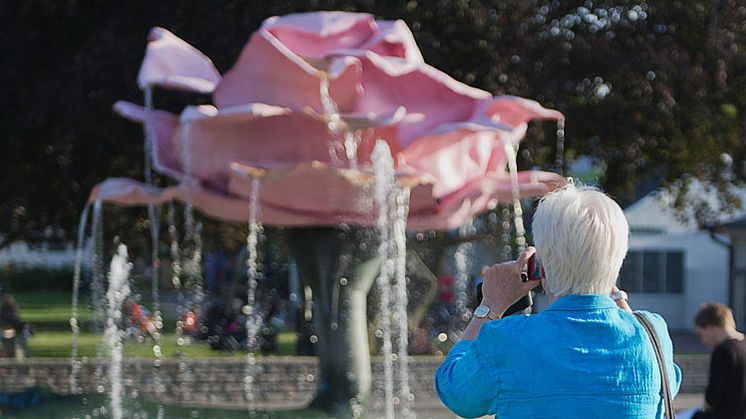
(654, 212)
(737, 224)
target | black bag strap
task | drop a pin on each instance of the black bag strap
(666, 389)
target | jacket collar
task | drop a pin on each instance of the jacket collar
(582, 302)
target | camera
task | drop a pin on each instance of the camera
(533, 270)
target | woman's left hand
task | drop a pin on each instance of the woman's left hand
(503, 285)
(621, 303)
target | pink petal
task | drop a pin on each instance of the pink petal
(171, 63)
(164, 126)
(319, 34)
(256, 135)
(451, 159)
(479, 196)
(266, 71)
(431, 97)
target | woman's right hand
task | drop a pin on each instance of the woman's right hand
(503, 286)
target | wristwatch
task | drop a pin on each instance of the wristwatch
(484, 311)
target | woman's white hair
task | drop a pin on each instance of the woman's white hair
(581, 238)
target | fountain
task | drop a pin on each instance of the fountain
(253, 321)
(119, 290)
(421, 151)
(462, 257)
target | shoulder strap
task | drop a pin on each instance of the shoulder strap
(666, 389)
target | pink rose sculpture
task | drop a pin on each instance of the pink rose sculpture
(270, 120)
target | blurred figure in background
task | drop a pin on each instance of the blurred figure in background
(14, 331)
(725, 396)
(138, 320)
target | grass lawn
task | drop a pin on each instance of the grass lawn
(50, 310)
(49, 313)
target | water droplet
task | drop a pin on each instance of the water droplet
(602, 90)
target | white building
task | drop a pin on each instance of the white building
(673, 266)
(22, 255)
(737, 232)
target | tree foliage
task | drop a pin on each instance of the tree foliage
(656, 89)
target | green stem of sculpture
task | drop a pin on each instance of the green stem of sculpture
(340, 265)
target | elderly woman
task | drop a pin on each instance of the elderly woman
(584, 356)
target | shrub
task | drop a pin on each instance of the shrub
(15, 278)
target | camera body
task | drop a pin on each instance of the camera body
(533, 269)
(525, 302)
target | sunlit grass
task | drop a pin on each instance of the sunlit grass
(49, 313)
(50, 310)
(56, 344)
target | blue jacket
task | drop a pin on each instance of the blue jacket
(582, 357)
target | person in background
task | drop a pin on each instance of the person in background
(11, 327)
(138, 319)
(726, 389)
(586, 355)
(445, 290)
(216, 271)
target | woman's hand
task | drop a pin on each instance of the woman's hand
(503, 285)
(621, 303)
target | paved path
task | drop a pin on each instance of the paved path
(432, 409)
